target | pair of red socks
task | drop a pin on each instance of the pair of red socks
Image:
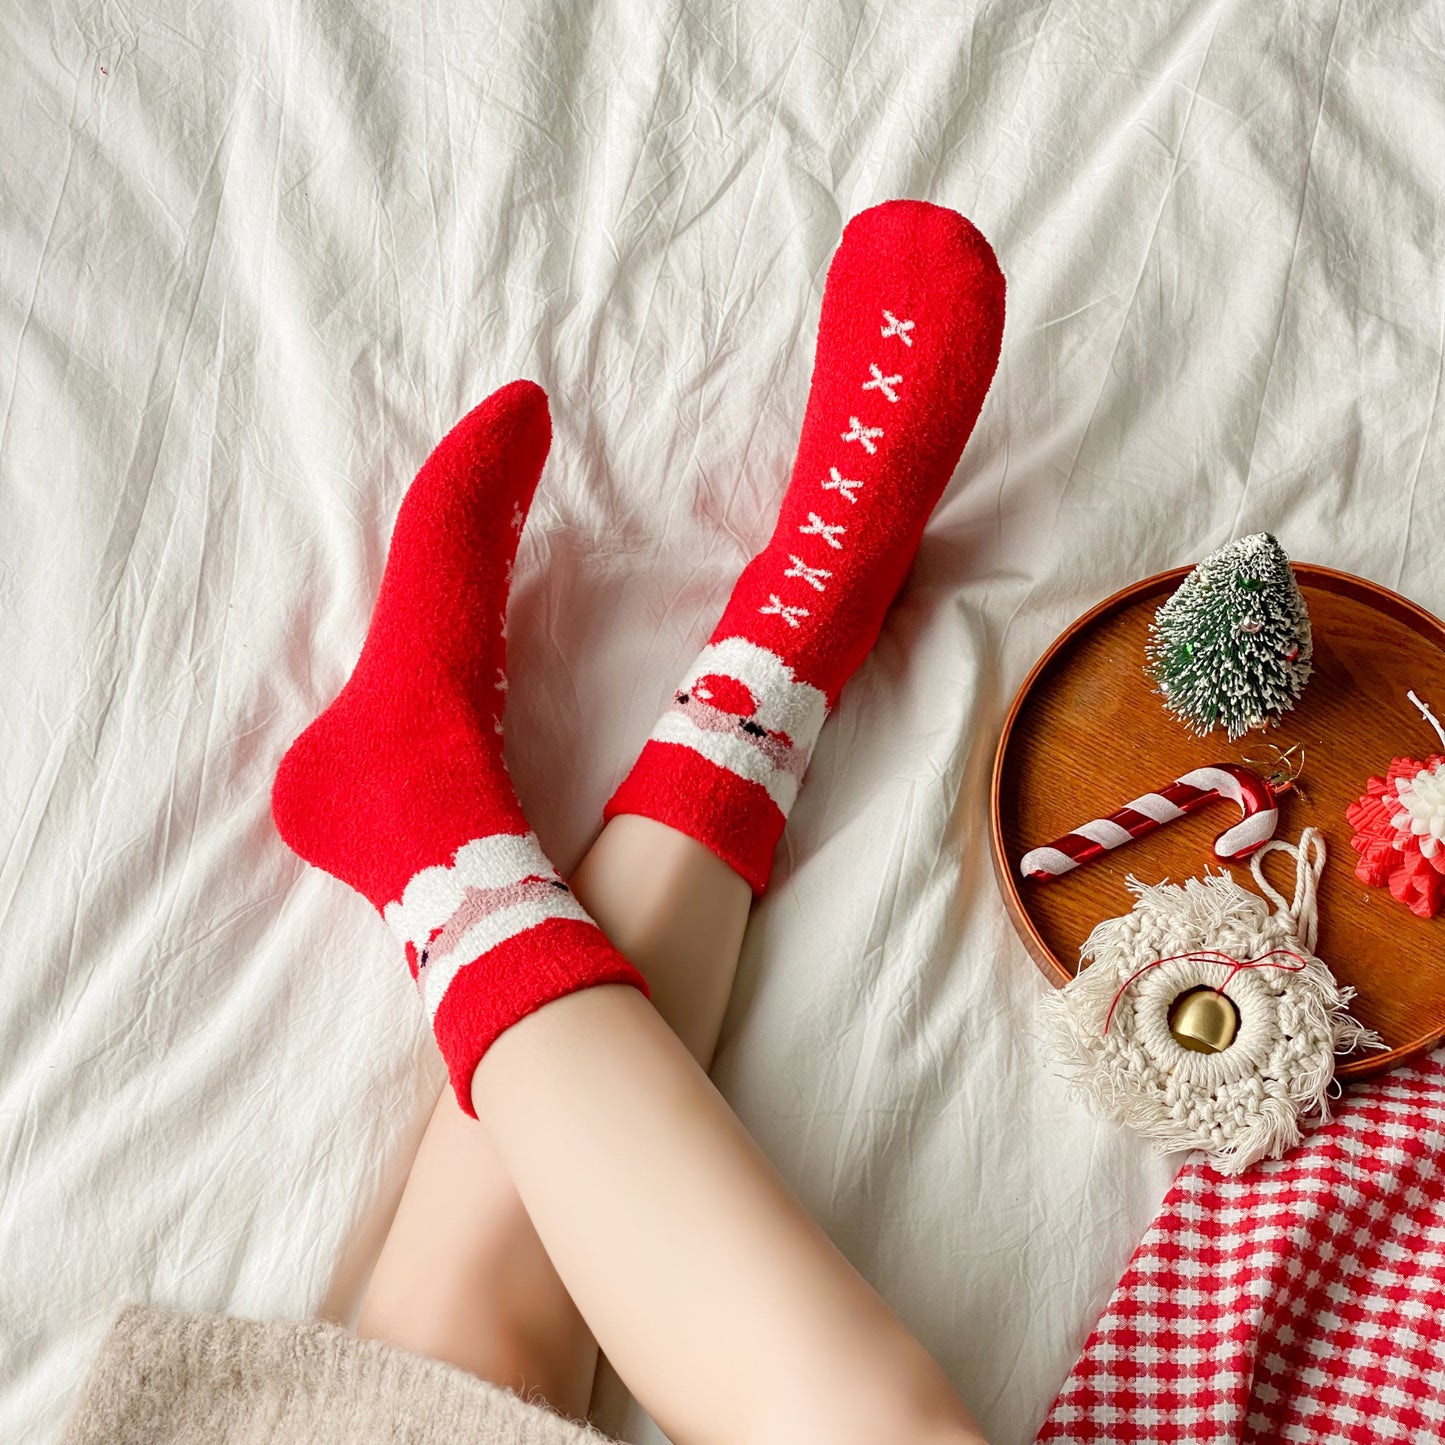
(399, 788)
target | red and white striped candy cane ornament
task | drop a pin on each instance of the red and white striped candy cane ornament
(1186, 794)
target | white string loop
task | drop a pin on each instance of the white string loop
(1429, 716)
(1302, 912)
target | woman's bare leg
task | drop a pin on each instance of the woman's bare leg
(729, 1313)
(462, 1276)
(677, 912)
(764, 1297)
(683, 1248)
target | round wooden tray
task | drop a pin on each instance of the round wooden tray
(1086, 733)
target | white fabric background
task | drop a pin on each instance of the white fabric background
(255, 257)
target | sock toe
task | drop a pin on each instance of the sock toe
(517, 417)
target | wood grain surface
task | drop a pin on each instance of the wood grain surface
(1086, 733)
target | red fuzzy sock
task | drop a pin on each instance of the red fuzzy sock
(399, 787)
(907, 346)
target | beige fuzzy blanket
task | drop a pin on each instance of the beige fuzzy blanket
(180, 1379)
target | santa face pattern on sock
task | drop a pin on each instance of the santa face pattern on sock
(494, 889)
(741, 708)
(907, 345)
(399, 788)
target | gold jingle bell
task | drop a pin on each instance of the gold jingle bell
(1204, 1021)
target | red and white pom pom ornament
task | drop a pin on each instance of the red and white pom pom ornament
(1193, 790)
(1399, 824)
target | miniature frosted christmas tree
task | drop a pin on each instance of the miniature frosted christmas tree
(1231, 648)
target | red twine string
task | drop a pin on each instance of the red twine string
(1210, 955)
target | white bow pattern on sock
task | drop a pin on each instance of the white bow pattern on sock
(848, 487)
(815, 577)
(776, 608)
(828, 531)
(897, 328)
(837, 482)
(882, 383)
(863, 435)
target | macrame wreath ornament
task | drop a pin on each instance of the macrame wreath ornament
(1203, 1018)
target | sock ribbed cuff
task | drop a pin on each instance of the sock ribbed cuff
(500, 988)
(725, 761)
(492, 937)
(733, 818)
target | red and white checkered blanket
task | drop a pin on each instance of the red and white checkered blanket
(1303, 1301)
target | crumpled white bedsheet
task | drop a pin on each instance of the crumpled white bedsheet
(254, 258)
